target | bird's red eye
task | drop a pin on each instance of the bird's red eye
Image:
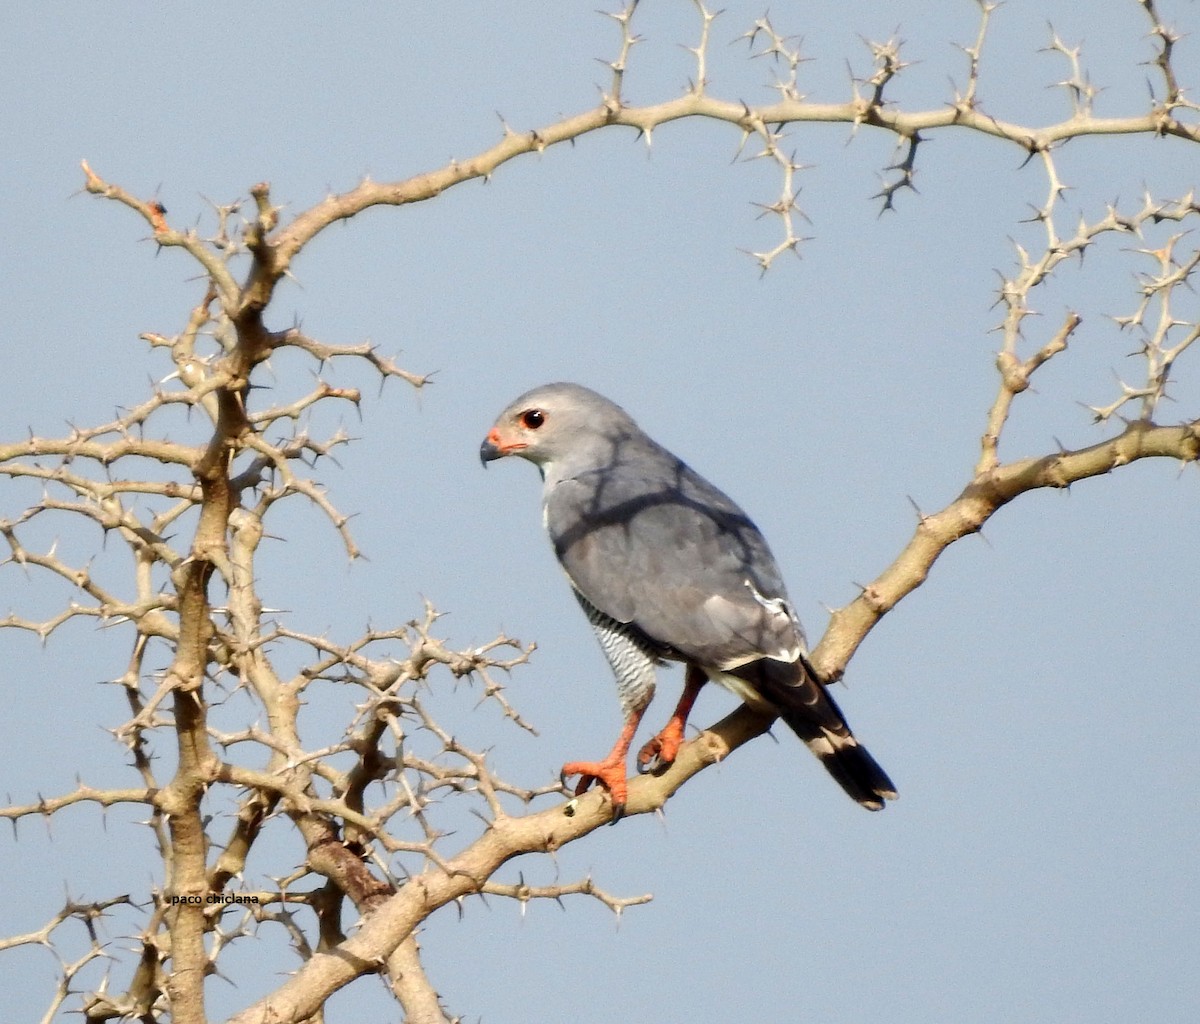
(532, 419)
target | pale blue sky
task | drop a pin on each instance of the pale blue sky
(1035, 701)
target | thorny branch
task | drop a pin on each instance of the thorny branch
(371, 806)
(868, 106)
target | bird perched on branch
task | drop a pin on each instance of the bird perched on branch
(666, 567)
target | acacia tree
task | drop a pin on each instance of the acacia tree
(371, 809)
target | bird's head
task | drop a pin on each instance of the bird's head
(555, 423)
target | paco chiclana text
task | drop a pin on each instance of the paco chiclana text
(214, 897)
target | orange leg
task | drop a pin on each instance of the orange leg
(610, 772)
(662, 750)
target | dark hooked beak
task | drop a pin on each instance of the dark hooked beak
(496, 447)
(489, 451)
(493, 448)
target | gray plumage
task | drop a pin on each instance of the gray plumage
(666, 566)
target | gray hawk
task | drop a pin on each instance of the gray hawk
(666, 567)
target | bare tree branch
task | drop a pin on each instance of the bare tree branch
(379, 804)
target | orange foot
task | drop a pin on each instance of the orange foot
(661, 751)
(610, 773)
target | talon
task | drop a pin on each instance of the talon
(609, 773)
(648, 755)
(651, 759)
(582, 786)
(659, 753)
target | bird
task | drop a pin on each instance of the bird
(667, 568)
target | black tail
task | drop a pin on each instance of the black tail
(792, 690)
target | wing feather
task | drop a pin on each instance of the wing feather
(650, 543)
